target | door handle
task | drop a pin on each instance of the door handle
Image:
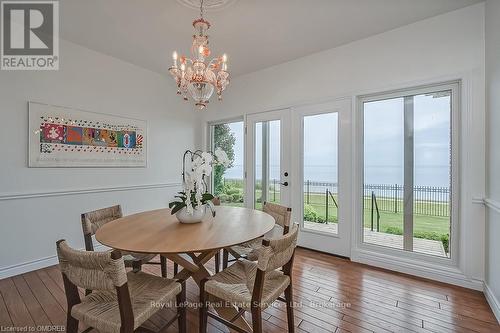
(284, 184)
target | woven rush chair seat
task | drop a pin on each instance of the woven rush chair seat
(235, 285)
(148, 293)
(249, 250)
(94, 220)
(119, 301)
(253, 286)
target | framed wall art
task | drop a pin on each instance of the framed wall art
(67, 137)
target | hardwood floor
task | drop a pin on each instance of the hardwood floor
(331, 295)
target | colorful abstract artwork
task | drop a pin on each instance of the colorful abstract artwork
(64, 137)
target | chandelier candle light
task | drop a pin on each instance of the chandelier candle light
(197, 76)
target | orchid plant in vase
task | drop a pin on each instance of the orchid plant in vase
(189, 204)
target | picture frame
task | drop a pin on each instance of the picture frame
(65, 137)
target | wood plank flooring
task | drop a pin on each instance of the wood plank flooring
(331, 295)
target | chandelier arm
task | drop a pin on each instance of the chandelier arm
(216, 59)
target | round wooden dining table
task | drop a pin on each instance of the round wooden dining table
(189, 245)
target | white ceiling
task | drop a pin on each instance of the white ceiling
(254, 33)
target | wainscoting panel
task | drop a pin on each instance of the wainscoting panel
(31, 223)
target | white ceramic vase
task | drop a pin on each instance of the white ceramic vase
(197, 216)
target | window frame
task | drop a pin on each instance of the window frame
(454, 254)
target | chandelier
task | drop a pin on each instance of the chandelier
(198, 76)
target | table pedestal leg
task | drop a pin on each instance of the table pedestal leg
(198, 272)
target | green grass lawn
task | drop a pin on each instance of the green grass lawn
(388, 219)
(422, 223)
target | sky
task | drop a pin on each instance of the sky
(383, 143)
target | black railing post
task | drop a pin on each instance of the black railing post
(373, 194)
(395, 198)
(326, 206)
(308, 184)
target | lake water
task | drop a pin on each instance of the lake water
(424, 175)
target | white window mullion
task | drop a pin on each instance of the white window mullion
(408, 173)
(265, 160)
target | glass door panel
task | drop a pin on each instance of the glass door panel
(267, 158)
(432, 173)
(267, 162)
(383, 172)
(320, 176)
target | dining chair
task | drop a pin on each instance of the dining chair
(92, 221)
(282, 216)
(120, 301)
(253, 286)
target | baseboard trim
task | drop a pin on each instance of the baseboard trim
(450, 275)
(492, 301)
(33, 265)
(18, 196)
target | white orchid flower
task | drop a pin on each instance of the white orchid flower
(194, 185)
(221, 157)
(206, 169)
(198, 196)
(189, 182)
(206, 157)
(189, 205)
(196, 163)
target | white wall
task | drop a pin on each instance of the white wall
(449, 46)
(493, 153)
(29, 226)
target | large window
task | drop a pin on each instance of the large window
(228, 183)
(408, 170)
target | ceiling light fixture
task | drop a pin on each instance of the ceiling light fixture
(197, 76)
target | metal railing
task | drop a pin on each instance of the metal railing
(428, 200)
(375, 204)
(328, 195)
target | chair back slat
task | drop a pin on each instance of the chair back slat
(92, 221)
(281, 214)
(276, 253)
(91, 270)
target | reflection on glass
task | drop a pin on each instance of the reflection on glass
(321, 172)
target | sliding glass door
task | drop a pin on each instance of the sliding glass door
(408, 169)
